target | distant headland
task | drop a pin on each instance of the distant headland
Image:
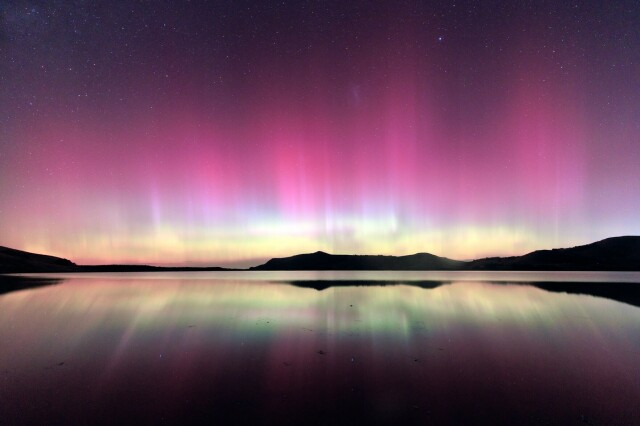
(611, 254)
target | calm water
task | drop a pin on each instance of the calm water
(321, 348)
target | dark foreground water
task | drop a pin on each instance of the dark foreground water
(321, 348)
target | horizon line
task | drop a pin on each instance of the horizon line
(200, 265)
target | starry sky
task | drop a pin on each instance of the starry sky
(229, 132)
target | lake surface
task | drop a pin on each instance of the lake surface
(321, 348)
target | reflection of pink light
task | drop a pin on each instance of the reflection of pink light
(174, 342)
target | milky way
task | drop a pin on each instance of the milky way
(191, 133)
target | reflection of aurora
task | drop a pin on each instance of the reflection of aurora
(147, 305)
(185, 334)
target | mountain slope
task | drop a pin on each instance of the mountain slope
(611, 254)
(14, 261)
(18, 261)
(340, 262)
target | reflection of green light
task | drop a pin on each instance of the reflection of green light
(245, 306)
(113, 317)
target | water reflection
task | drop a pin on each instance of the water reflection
(325, 284)
(625, 292)
(622, 292)
(9, 283)
(124, 349)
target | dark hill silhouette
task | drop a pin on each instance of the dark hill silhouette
(341, 262)
(15, 261)
(611, 254)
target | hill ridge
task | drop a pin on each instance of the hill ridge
(610, 254)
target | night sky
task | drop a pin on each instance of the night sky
(227, 132)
